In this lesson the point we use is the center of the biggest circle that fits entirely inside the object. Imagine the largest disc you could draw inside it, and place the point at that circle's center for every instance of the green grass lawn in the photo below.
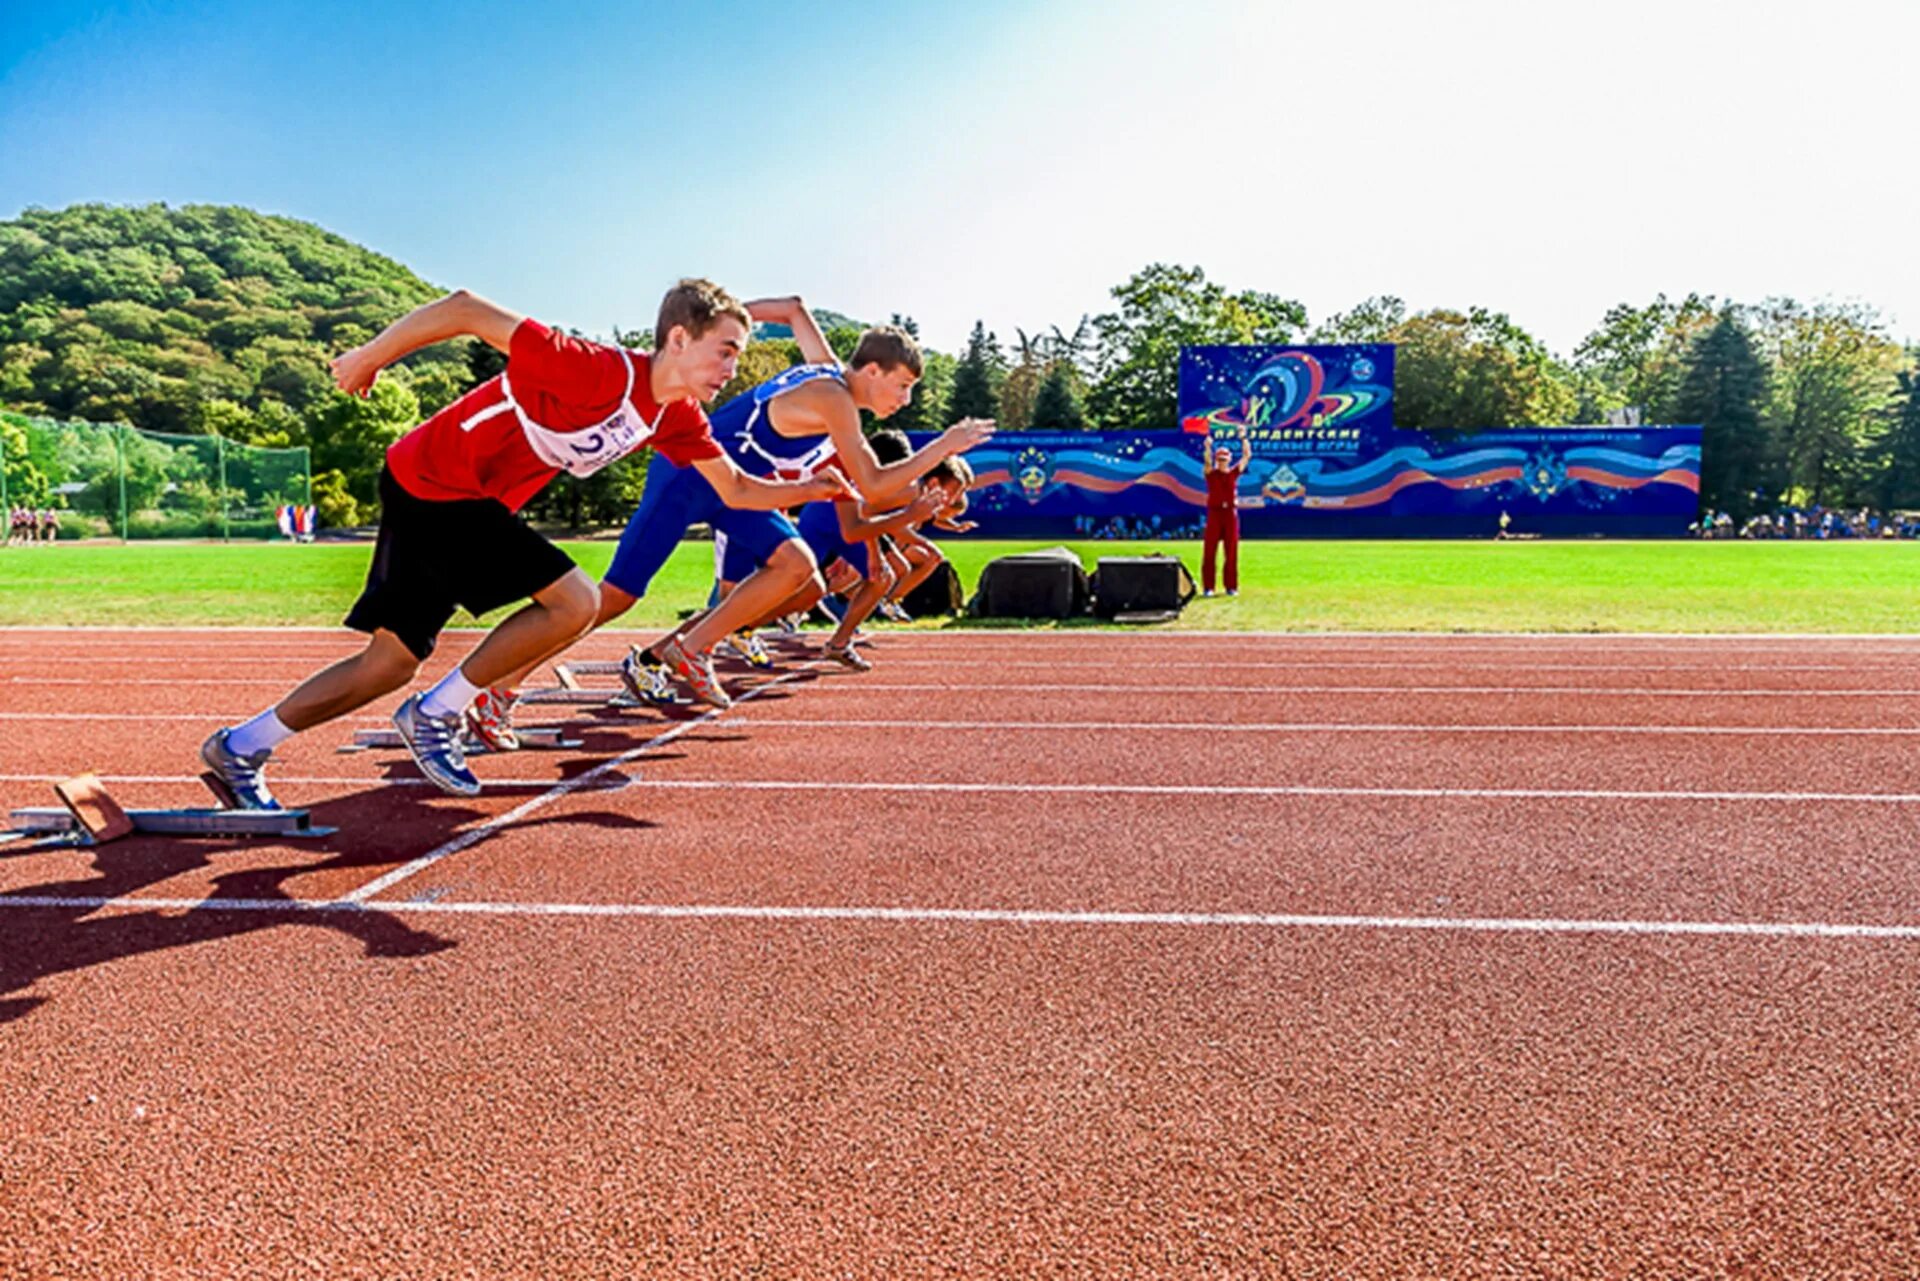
(1285, 586)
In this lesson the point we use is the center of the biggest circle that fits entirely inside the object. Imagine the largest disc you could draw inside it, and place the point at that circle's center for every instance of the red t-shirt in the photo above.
(1221, 486)
(564, 384)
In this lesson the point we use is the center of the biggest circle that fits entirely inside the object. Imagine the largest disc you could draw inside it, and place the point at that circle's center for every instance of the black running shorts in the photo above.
(435, 557)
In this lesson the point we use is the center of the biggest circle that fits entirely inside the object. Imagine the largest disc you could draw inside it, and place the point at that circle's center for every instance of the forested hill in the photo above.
(202, 318)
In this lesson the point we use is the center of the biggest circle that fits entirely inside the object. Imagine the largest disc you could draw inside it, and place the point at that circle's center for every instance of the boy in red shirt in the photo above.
(450, 533)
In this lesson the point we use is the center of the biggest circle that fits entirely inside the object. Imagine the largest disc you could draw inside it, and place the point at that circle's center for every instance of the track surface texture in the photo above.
(1071, 955)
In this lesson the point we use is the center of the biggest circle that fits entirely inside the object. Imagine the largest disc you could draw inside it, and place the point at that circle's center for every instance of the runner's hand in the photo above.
(968, 433)
(927, 505)
(355, 371)
(831, 486)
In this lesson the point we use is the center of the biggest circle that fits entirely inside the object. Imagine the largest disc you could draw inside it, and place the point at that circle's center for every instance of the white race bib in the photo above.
(587, 450)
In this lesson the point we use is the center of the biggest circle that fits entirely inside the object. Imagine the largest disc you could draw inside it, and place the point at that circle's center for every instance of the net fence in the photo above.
(108, 480)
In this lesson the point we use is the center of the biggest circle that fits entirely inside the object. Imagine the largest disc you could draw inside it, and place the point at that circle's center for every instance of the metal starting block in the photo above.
(90, 816)
(539, 738)
(569, 674)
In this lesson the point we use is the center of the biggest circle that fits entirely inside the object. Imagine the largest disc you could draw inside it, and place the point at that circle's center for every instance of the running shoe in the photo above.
(648, 679)
(891, 611)
(745, 646)
(695, 671)
(790, 623)
(435, 744)
(243, 776)
(847, 656)
(490, 719)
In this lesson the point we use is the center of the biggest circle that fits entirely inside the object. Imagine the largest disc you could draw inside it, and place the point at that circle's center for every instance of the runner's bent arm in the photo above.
(750, 493)
(823, 408)
(856, 526)
(459, 314)
(793, 313)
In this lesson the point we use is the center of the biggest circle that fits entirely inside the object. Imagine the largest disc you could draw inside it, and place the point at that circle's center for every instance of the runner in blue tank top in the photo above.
(790, 429)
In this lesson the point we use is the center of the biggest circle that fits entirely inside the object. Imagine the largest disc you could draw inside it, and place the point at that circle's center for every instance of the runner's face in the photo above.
(889, 389)
(709, 361)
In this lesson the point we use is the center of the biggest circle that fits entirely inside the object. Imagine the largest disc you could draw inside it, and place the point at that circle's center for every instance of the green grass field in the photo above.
(1286, 586)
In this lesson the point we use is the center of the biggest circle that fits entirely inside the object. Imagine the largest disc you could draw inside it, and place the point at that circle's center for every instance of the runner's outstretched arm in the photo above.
(751, 493)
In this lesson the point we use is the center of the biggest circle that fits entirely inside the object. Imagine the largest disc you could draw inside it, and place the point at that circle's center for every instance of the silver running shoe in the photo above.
(747, 647)
(646, 680)
(435, 744)
(847, 656)
(244, 776)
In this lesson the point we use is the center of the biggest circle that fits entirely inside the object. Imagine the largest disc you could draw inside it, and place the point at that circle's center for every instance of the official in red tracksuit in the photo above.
(1223, 516)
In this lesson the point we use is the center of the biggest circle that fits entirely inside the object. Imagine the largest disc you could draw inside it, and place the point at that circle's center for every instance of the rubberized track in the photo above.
(1076, 954)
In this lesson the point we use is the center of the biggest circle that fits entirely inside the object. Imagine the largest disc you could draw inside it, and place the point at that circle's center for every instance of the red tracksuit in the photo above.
(1223, 526)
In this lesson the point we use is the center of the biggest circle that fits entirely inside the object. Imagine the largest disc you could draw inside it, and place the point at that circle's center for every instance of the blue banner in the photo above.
(1326, 461)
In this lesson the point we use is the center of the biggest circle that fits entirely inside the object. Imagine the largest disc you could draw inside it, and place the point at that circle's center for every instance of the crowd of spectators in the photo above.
(1134, 528)
(1809, 522)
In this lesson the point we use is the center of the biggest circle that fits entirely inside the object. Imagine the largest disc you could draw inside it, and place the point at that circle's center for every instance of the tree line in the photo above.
(218, 320)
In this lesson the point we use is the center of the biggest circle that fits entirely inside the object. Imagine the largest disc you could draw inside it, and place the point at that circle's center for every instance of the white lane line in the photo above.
(992, 916)
(1431, 691)
(1173, 727)
(1500, 691)
(606, 780)
(369, 782)
(1323, 727)
(553, 793)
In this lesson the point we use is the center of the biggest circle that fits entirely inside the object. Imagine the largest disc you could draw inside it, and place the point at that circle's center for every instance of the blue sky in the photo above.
(1012, 162)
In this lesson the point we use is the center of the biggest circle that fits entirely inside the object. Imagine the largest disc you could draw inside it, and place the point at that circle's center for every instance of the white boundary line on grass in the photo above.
(562, 788)
(993, 916)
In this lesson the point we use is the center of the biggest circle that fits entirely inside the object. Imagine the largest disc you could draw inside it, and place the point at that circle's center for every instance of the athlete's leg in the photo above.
(923, 556)
(788, 571)
(870, 593)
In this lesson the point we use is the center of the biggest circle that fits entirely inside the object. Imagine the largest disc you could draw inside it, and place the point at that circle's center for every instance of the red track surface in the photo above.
(1414, 964)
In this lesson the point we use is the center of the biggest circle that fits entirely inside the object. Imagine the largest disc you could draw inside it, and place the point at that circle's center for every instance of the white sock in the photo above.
(451, 696)
(263, 733)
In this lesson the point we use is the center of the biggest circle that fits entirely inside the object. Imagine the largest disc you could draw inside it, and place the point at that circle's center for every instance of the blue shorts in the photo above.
(676, 498)
(820, 527)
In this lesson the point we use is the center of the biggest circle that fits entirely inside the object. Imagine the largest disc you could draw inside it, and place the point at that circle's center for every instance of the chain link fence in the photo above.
(109, 480)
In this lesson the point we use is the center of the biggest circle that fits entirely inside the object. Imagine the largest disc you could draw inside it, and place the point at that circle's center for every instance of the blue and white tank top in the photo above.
(744, 428)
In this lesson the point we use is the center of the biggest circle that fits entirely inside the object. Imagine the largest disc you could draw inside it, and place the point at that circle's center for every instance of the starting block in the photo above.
(572, 692)
(88, 815)
(569, 674)
(537, 738)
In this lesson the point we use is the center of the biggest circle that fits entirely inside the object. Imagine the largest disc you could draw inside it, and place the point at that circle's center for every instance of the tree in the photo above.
(1898, 450)
(1834, 377)
(975, 378)
(1636, 358)
(25, 484)
(1057, 407)
(351, 434)
(1723, 387)
(1372, 320)
(1475, 369)
(1162, 309)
